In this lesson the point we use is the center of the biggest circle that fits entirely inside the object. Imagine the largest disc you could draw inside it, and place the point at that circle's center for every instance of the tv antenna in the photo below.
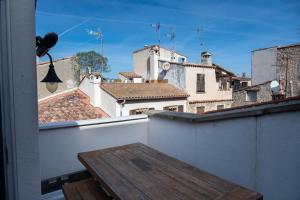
(171, 35)
(99, 35)
(157, 27)
(198, 31)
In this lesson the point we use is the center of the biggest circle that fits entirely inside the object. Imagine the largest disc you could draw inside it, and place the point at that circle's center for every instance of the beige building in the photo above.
(208, 85)
(64, 70)
(125, 98)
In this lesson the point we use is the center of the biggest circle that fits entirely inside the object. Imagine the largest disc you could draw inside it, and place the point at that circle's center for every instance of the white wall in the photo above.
(140, 62)
(59, 147)
(263, 65)
(90, 86)
(166, 55)
(211, 85)
(157, 105)
(260, 152)
(109, 104)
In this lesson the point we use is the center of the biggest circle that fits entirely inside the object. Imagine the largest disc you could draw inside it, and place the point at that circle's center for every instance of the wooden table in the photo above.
(136, 171)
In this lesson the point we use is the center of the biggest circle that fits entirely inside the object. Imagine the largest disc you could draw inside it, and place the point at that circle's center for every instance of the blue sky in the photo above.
(230, 29)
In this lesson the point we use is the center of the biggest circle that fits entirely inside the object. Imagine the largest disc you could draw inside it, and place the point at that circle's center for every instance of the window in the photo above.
(176, 108)
(220, 107)
(223, 84)
(200, 83)
(139, 111)
(244, 84)
(251, 96)
(200, 109)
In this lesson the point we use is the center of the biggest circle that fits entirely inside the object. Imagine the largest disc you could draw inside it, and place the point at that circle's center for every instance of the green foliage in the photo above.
(93, 60)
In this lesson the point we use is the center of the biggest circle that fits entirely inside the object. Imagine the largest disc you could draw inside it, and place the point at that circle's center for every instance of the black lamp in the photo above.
(43, 45)
(51, 79)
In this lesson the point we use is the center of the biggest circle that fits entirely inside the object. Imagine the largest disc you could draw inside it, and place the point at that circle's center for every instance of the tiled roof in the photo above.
(54, 61)
(68, 106)
(142, 91)
(130, 75)
(279, 101)
(241, 78)
(253, 87)
(210, 101)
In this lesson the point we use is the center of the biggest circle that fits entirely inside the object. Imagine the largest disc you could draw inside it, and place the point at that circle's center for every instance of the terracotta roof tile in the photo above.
(68, 106)
(130, 75)
(141, 91)
(209, 101)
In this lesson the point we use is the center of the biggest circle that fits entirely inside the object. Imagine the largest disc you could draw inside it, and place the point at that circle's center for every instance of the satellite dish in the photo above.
(166, 66)
(275, 87)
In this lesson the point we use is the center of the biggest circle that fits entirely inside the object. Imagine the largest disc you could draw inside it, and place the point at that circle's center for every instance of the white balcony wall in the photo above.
(248, 147)
(59, 146)
(258, 152)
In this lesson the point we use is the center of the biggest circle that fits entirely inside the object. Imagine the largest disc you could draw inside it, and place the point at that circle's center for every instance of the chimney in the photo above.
(90, 85)
(206, 58)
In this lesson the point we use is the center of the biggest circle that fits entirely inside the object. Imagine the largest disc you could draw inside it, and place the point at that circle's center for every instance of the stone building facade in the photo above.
(288, 69)
(284, 67)
(252, 94)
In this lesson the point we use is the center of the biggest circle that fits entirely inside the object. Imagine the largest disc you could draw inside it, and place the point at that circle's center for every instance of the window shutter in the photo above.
(220, 107)
(132, 112)
(200, 82)
(180, 108)
(200, 109)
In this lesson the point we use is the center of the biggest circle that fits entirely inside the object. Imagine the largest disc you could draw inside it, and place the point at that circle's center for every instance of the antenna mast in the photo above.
(198, 31)
(157, 29)
(98, 34)
(171, 35)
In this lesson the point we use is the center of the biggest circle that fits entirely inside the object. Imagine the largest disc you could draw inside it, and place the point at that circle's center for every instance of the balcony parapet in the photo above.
(289, 104)
(90, 122)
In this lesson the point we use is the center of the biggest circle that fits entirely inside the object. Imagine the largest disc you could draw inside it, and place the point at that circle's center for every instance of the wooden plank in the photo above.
(109, 178)
(139, 172)
(87, 189)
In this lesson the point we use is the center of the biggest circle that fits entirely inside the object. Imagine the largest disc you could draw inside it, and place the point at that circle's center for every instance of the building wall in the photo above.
(141, 60)
(166, 55)
(68, 142)
(209, 106)
(264, 94)
(141, 63)
(64, 71)
(109, 104)
(157, 105)
(175, 75)
(211, 86)
(292, 64)
(264, 65)
(258, 152)
(90, 86)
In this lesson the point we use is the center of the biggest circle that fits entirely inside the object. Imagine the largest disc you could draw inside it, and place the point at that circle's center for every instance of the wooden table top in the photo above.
(137, 171)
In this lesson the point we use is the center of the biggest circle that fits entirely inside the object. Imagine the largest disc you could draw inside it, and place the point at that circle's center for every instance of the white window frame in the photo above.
(19, 99)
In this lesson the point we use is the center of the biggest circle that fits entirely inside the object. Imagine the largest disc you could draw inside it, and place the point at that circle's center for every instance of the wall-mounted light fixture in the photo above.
(51, 79)
(43, 45)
